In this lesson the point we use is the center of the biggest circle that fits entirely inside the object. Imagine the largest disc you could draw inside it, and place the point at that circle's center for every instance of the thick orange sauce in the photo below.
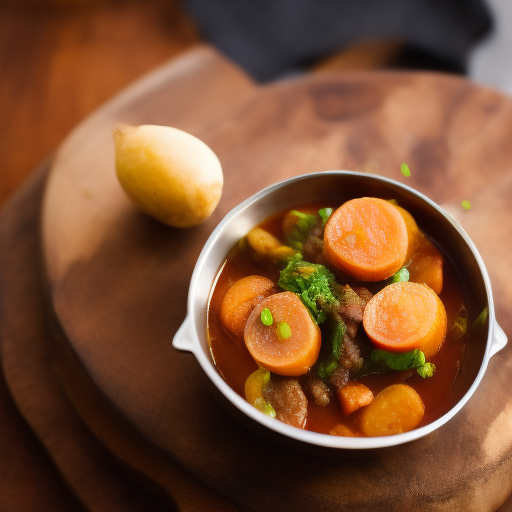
(235, 363)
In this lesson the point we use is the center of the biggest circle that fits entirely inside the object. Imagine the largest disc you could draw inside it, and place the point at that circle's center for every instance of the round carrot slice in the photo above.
(366, 238)
(289, 346)
(405, 316)
(241, 299)
(396, 409)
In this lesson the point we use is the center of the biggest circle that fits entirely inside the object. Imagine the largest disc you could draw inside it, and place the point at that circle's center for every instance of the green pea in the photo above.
(266, 317)
(283, 330)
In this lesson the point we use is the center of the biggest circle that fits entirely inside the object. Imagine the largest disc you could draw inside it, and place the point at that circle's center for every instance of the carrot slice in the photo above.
(241, 299)
(396, 409)
(353, 396)
(289, 346)
(405, 316)
(366, 238)
(424, 261)
(290, 219)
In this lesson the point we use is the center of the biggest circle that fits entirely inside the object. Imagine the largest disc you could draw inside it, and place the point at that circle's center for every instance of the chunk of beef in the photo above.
(364, 294)
(288, 400)
(351, 306)
(320, 392)
(351, 354)
(339, 377)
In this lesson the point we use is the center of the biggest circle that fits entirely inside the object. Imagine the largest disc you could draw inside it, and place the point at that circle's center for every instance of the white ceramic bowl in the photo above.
(338, 186)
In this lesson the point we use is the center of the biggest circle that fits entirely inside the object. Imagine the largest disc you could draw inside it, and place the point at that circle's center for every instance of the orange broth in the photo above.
(235, 364)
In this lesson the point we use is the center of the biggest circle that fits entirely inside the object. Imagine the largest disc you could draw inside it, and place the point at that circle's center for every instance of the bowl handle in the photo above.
(184, 337)
(499, 339)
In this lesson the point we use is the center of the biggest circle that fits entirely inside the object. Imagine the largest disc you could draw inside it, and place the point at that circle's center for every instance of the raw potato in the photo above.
(396, 409)
(169, 174)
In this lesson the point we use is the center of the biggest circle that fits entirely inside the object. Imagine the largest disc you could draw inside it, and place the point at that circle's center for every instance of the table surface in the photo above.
(78, 57)
(60, 60)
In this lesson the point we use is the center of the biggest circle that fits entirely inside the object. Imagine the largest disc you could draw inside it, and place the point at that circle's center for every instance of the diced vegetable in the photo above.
(401, 276)
(337, 339)
(427, 370)
(266, 317)
(460, 325)
(325, 213)
(353, 396)
(426, 267)
(396, 409)
(297, 226)
(312, 282)
(283, 331)
(326, 369)
(266, 244)
(424, 261)
(404, 168)
(292, 355)
(254, 386)
(241, 299)
(366, 238)
(481, 318)
(403, 361)
(405, 316)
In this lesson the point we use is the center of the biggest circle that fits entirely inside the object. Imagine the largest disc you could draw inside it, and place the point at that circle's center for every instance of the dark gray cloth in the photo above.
(272, 37)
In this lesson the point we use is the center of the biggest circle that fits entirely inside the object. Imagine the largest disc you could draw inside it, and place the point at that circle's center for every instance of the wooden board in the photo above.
(118, 280)
(50, 459)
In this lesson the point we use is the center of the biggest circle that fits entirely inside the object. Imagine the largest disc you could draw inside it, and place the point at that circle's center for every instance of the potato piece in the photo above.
(396, 409)
(266, 244)
(169, 174)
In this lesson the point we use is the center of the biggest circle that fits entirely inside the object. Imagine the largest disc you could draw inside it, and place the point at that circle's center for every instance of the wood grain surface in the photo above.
(61, 60)
(118, 280)
(50, 460)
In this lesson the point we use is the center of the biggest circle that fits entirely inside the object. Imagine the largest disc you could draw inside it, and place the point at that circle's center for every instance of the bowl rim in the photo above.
(316, 438)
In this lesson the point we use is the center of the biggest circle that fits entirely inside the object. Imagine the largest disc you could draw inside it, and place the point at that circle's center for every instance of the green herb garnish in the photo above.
(403, 361)
(405, 170)
(337, 339)
(325, 213)
(401, 276)
(303, 227)
(312, 283)
(461, 323)
(481, 318)
(427, 370)
(266, 317)
(466, 205)
(283, 331)
(326, 369)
